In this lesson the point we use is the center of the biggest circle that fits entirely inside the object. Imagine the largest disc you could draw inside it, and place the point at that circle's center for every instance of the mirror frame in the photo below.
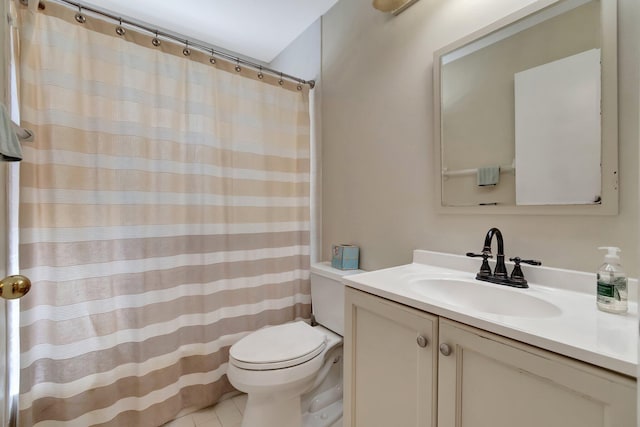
(609, 117)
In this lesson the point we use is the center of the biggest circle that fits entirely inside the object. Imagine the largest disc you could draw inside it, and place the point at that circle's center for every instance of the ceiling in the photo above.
(257, 29)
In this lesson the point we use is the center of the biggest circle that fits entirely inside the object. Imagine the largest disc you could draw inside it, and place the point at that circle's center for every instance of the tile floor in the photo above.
(227, 413)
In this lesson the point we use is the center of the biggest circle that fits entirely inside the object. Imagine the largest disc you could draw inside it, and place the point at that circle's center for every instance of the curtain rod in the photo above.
(184, 41)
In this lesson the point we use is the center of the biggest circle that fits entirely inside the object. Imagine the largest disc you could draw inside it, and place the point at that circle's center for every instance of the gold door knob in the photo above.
(12, 287)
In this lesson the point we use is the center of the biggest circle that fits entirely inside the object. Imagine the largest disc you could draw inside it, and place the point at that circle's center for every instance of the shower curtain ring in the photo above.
(260, 75)
(299, 87)
(119, 30)
(238, 68)
(281, 82)
(155, 41)
(213, 58)
(186, 51)
(80, 17)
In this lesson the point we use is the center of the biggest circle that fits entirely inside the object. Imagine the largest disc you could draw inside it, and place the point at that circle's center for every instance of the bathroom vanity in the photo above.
(427, 345)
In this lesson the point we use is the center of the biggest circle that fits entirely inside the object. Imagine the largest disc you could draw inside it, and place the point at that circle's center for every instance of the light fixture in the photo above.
(394, 6)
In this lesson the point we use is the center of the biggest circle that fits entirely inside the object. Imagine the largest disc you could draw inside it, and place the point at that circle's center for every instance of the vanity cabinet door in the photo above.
(486, 380)
(390, 361)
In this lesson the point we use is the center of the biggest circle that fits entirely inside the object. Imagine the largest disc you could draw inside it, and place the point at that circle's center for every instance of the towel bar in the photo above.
(462, 172)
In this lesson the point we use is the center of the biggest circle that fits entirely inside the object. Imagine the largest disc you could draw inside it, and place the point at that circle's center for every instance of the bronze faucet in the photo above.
(499, 275)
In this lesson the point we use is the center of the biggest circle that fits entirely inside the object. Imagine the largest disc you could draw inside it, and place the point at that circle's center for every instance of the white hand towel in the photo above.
(10, 150)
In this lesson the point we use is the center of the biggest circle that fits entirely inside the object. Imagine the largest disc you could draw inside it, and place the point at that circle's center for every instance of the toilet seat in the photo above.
(278, 347)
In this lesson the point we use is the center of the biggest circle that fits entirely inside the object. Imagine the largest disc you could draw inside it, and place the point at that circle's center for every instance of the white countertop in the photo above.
(579, 331)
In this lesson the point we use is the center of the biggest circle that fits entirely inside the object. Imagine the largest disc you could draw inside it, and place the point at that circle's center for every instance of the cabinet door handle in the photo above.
(445, 349)
(422, 341)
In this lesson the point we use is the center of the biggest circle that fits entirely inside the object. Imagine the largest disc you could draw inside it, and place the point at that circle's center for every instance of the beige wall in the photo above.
(377, 145)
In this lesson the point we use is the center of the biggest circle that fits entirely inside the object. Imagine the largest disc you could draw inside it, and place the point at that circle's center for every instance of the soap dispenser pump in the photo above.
(612, 283)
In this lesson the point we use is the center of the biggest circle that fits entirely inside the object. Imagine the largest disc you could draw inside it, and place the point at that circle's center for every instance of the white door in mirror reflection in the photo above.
(558, 132)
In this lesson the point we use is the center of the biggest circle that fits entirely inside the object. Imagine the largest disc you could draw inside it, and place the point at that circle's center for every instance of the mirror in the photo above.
(526, 113)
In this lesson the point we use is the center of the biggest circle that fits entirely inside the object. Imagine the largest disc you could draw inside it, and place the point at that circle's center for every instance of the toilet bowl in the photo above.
(289, 371)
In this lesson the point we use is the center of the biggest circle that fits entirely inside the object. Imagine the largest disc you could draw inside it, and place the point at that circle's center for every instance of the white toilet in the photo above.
(292, 373)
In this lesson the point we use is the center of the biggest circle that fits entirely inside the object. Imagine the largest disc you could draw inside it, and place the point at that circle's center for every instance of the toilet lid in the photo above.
(278, 347)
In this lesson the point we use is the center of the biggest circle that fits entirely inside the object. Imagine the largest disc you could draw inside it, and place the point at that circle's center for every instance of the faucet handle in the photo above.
(518, 260)
(517, 276)
(483, 255)
(485, 270)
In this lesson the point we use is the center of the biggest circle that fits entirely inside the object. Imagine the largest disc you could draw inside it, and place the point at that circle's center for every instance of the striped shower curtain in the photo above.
(164, 214)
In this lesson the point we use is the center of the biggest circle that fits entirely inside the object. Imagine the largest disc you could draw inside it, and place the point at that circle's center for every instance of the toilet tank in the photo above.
(327, 295)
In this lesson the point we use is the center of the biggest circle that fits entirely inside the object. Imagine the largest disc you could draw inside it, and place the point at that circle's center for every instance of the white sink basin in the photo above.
(481, 297)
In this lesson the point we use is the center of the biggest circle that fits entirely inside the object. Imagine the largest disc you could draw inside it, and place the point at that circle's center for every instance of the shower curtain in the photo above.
(164, 214)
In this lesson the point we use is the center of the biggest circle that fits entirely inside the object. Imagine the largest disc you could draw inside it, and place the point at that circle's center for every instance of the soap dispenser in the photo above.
(612, 283)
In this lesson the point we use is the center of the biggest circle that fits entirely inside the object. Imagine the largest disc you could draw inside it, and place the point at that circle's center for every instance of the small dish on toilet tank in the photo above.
(345, 257)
